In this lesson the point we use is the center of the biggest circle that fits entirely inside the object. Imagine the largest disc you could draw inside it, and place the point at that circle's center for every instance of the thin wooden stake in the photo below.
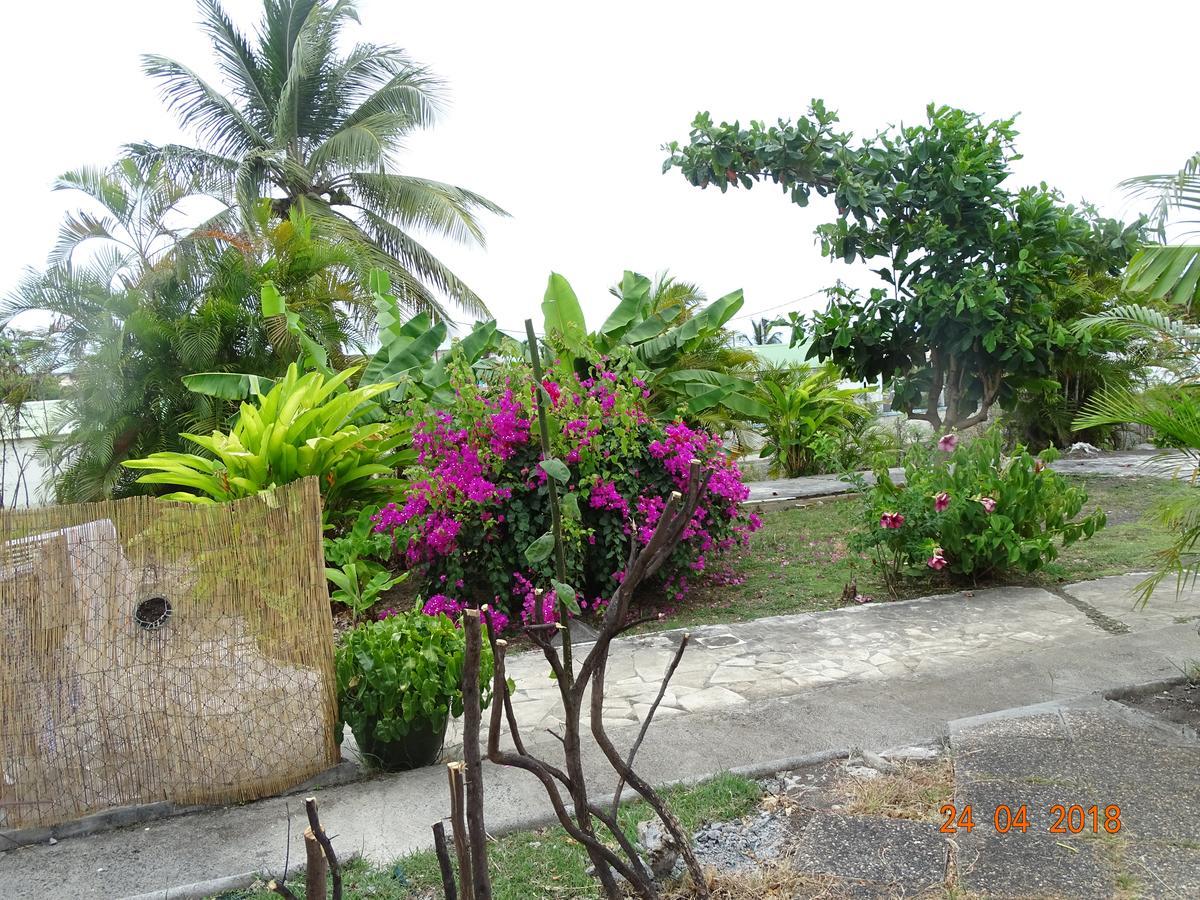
(316, 869)
(472, 717)
(458, 825)
(449, 889)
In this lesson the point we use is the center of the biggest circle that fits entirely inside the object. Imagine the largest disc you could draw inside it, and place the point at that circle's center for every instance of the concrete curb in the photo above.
(200, 889)
(124, 816)
(1134, 691)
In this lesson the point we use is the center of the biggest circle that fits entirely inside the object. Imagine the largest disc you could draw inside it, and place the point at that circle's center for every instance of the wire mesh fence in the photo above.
(156, 651)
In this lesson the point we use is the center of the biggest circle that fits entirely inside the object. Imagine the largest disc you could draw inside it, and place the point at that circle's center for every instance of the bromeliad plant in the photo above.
(970, 511)
(305, 425)
(474, 517)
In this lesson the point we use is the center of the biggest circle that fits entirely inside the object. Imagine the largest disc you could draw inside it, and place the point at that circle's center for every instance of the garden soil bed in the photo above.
(1179, 704)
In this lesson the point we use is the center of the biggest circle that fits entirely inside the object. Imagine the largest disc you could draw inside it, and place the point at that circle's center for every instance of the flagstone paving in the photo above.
(781, 656)
(1134, 463)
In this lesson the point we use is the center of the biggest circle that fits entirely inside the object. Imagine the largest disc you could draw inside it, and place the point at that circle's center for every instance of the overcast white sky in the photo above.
(558, 112)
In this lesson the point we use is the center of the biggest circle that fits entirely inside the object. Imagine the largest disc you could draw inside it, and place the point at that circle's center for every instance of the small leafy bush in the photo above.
(403, 674)
(358, 587)
(968, 510)
(474, 523)
(354, 564)
(808, 418)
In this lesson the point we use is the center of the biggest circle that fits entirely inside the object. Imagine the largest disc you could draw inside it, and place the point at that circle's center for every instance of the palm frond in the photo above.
(411, 94)
(212, 171)
(203, 107)
(415, 258)
(421, 203)
(1166, 272)
(1170, 191)
(238, 62)
(98, 184)
(78, 228)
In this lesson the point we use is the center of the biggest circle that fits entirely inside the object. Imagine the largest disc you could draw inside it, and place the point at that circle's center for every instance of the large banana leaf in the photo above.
(228, 385)
(705, 389)
(563, 314)
(707, 322)
(635, 294)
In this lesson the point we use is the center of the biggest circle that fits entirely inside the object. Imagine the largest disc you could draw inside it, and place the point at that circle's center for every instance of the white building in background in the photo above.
(25, 470)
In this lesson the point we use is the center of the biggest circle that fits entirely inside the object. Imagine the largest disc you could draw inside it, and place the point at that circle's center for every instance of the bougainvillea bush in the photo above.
(472, 522)
(970, 511)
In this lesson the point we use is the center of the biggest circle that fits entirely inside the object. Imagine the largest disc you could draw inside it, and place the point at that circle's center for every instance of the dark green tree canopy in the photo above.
(969, 267)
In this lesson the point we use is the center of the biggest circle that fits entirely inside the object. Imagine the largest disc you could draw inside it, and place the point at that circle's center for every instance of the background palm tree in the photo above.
(131, 218)
(308, 127)
(127, 337)
(761, 333)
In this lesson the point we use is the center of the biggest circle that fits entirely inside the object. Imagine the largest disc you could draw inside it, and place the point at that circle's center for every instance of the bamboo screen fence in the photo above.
(156, 651)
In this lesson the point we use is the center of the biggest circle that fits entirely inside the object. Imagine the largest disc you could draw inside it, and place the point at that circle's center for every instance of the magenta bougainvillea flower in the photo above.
(938, 561)
(941, 502)
(477, 496)
(891, 520)
(948, 442)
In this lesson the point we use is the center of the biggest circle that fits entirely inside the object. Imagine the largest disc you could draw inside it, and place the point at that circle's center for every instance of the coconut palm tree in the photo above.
(306, 126)
(761, 333)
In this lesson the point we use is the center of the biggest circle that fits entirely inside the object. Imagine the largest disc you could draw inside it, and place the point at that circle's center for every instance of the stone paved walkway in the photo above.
(1118, 465)
(727, 665)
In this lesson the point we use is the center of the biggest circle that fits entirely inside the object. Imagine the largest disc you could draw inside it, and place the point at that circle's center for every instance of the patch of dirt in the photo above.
(1179, 704)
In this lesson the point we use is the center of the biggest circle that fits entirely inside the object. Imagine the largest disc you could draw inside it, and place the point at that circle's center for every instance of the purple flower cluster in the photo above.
(606, 496)
(440, 604)
(477, 497)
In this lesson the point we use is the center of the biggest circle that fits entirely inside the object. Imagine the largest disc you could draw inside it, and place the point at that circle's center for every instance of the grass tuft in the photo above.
(916, 792)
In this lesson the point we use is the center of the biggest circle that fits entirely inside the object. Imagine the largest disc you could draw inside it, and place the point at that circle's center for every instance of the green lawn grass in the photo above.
(541, 863)
(800, 560)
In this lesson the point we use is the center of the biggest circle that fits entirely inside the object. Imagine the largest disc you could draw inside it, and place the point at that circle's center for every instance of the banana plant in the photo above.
(679, 345)
(406, 358)
(305, 425)
(407, 354)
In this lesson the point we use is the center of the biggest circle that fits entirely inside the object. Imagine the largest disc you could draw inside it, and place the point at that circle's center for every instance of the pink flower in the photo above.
(443, 605)
(988, 504)
(891, 520)
(948, 442)
(605, 496)
(941, 501)
(937, 561)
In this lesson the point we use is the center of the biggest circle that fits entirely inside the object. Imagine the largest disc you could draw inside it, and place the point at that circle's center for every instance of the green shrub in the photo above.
(304, 425)
(972, 512)
(403, 675)
(807, 417)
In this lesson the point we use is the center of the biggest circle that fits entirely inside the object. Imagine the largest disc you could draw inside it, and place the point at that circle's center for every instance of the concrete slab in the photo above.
(908, 857)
